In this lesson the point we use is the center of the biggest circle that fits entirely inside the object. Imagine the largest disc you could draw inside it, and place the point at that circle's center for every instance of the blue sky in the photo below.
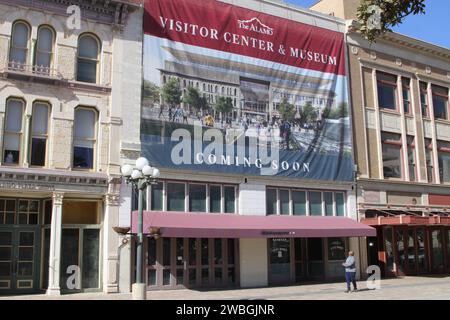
(431, 27)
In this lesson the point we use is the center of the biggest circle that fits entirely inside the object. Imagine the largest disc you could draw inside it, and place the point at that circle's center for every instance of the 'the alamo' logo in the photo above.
(254, 24)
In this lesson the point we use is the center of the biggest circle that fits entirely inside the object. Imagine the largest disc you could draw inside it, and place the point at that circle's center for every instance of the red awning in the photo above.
(207, 225)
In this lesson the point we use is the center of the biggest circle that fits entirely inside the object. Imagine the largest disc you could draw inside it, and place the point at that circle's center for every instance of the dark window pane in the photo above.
(386, 97)
(440, 106)
(151, 280)
(166, 277)
(175, 197)
(9, 218)
(10, 205)
(271, 201)
(87, 71)
(83, 157)
(151, 251)
(5, 253)
(38, 147)
(230, 251)
(166, 252)
(5, 238)
(392, 161)
(231, 276)
(298, 249)
(192, 252)
(69, 253)
(197, 198)
(315, 248)
(180, 276)
(26, 239)
(299, 202)
(46, 257)
(214, 198)
(284, 202)
(229, 193)
(315, 203)
(205, 251)
(336, 249)
(11, 156)
(48, 212)
(23, 218)
(340, 204)
(32, 218)
(192, 276)
(24, 269)
(328, 198)
(5, 269)
(91, 243)
(218, 251)
(218, 276)
(26, 253)
(179, 251)
(157, 196)
(205, 276)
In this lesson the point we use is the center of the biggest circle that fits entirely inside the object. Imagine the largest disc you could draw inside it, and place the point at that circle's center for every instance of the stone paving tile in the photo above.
(435, 288)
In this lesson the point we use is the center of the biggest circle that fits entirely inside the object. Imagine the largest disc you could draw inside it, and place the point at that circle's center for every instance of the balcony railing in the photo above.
(18, 68)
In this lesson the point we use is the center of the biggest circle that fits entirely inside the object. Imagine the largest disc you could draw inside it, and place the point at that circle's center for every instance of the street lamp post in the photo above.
(139, 177)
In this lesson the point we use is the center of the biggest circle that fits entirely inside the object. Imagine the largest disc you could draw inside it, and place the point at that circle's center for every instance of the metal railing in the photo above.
(36, 70)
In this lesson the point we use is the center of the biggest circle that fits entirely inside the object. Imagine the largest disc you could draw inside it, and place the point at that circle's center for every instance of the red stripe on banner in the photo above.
(220, 26)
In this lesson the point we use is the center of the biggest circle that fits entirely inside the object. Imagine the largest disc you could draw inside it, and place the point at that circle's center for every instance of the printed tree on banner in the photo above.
(193, 99)
(287, 110)
(308, 114)
(150, 93)
(375, 17)
(171, 92)
(223, 105)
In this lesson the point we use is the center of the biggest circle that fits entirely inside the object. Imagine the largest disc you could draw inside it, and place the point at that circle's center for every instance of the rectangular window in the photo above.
(429, 159)
(284, 202)
(444, 161)
(315, 203)
(340, 204)
(440, 102)
(392, 159)
(39, 134)
(336, 249)
(230, 195)
(84, 138)
(12, 141)
(215, 198)
(406, 92)
(271, 201)
(387, 91)
(299, 202)
(175, 196)
(157, 196)
(424, 99)
(328, 198)
(197, 198)
(411, 158)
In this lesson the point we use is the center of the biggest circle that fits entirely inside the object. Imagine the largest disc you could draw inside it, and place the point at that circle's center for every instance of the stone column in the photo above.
(55, 245)
(111, 239)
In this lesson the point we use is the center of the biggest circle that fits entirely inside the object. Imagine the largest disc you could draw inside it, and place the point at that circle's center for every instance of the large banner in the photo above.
(231, 90)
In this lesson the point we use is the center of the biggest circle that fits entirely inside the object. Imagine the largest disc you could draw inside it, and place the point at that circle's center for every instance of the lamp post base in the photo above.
(138, 291)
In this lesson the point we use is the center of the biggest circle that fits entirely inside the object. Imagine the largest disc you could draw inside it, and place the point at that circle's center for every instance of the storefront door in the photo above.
(315, 258)
(279, 261)
(437, 250)
(19, 270)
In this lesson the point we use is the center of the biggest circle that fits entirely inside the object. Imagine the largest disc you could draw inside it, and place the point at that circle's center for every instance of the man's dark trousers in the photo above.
(350, 277)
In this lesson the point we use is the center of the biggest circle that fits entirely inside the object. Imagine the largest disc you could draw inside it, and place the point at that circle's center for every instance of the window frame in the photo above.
(423, 92)
(429, 147)
(37, 51)
(412, 146)
(46, 136)
(20, 134)
(440, 95)
(387, 83)
(406, 85)
(95, 139)
(97, 60)
(12, 46)
(399, 144)
(446, 150)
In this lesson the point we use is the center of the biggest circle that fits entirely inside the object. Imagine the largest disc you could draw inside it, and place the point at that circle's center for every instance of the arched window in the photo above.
(84, 138)
(44, 47)
(39, 134)
(19, 43)
(88, 58)
(12, 141)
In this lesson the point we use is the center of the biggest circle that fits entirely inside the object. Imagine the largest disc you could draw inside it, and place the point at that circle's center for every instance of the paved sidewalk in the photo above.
(414, 288)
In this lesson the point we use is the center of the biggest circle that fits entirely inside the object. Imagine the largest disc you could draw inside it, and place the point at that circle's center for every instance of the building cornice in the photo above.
(113, 12)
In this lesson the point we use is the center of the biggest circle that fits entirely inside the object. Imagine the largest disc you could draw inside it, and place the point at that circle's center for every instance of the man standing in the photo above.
(350, 271)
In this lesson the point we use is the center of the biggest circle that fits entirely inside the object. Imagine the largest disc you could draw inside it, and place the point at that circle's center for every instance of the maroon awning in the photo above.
(207, 225)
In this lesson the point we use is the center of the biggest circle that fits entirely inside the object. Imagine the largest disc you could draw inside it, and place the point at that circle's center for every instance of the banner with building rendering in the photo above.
(231, 90)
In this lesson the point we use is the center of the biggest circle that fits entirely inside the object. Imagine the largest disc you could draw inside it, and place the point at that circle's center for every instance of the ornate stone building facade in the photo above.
(69, 116)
